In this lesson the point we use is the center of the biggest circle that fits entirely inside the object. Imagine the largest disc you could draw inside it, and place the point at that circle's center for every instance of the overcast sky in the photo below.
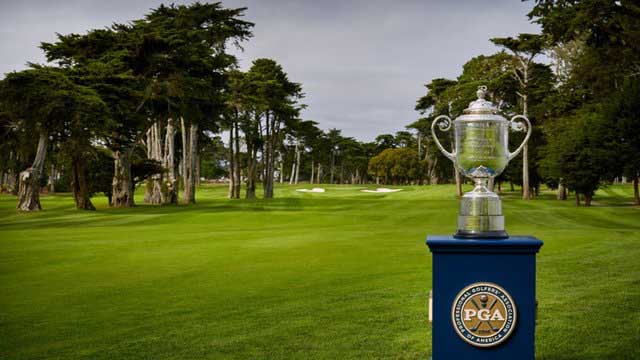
(362, 64)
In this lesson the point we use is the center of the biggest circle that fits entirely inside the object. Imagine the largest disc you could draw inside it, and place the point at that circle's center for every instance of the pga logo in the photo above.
(483, 314)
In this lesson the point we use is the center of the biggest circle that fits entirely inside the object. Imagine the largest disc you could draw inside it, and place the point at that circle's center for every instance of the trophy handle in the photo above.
(445, 125)
(520, 126)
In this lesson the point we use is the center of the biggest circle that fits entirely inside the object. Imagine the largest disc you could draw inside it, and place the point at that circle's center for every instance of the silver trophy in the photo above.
(481, 153)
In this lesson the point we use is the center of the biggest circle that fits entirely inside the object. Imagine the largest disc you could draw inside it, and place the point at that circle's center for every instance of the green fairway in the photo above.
(335, 275)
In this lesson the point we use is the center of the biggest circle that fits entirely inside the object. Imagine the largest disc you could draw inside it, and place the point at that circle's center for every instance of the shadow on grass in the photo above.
(59, 211)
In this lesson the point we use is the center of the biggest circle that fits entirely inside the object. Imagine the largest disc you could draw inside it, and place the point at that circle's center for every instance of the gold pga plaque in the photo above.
(484, 314)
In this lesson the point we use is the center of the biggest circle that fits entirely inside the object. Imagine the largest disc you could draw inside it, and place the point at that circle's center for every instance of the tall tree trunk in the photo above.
(122, 182)
(13, 183)
(526, 189)
(148, 191)
(4, 177)
(186, 161)
(79, 184)
(332, 167)
(169, 193)
(52, 179)
(297, 164)
(12, 176)
(562, 191)
(267, 154)
(232, 170)
(185, 155)
(236, 160)
(431, 165)
(267, 176)
(29, 186)
(234, 178)
(189, 196)
(159, 156)
(153, 192)
(293, 167)
(577, 198)
(252, 153)
(196, 171)
(319, 174)
(313, 164)
(587, 199)
(433, 178)
(636, 194)
(267, 192)
(273, 138)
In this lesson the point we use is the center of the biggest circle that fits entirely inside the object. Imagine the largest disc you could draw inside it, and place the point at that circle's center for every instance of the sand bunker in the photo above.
(314, 190)
(381, 190)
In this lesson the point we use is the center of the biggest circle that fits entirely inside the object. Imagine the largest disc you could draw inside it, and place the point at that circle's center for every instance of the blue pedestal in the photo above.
(509, 263)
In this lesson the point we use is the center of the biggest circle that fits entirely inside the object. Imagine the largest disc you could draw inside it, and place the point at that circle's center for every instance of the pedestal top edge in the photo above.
(512, 243)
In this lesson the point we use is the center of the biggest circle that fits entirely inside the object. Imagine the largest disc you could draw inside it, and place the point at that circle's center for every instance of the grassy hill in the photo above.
(335, 275)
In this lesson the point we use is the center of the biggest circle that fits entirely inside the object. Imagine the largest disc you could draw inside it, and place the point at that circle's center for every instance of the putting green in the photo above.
(335, 275)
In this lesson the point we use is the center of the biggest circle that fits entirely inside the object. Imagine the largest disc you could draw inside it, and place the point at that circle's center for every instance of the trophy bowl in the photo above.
(481, 152)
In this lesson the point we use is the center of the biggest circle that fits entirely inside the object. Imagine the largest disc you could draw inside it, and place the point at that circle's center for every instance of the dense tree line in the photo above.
(161, 101)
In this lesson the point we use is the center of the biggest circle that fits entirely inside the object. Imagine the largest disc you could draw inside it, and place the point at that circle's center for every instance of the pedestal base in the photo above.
(509, 264)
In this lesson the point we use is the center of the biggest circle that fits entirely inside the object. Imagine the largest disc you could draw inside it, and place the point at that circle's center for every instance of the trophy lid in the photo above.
(481, 106)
